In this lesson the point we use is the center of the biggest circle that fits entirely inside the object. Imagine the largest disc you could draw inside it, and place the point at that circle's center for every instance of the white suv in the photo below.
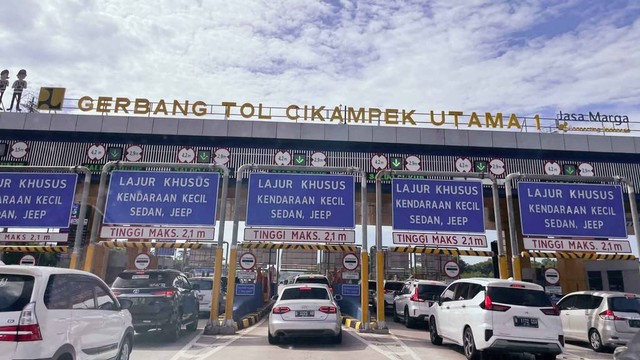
(61, 314)
(496, 315)
(413, 302)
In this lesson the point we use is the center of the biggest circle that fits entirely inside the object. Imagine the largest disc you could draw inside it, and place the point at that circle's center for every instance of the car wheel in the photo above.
(433, 332)
(193, 326)
(172, 330)
(395, 314)
(595, 340)
(408, 321)
(469, 346)
(125, 349)
(273, 340)
(338, 338)
(546, 357)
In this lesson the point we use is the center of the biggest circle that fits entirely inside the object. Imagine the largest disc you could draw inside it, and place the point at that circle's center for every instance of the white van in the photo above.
(494, 315)
(61, 314)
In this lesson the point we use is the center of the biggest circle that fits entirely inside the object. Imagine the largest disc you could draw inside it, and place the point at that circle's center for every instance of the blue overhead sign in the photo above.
(162, 198)
(315, 201)
(36, 200)
(450, 206)
(581, 210)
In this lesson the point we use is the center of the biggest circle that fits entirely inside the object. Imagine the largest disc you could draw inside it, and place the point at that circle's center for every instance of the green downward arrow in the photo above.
(114, 153)
(299, 159)
(481, 166)
(204, 156)
(396, 163)
(570, 170)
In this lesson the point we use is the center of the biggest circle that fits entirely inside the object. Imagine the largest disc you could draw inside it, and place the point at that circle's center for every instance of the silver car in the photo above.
(305, 310)
(603, 318)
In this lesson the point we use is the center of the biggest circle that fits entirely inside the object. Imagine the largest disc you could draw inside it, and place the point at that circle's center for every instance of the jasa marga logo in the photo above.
(597, 117)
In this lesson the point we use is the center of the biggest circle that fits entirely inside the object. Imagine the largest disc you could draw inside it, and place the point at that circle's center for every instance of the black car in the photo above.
(162, 299)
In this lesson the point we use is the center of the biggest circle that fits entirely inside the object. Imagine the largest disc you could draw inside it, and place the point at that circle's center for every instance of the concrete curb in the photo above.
(252, 319)
(354, 323)
(245, 322)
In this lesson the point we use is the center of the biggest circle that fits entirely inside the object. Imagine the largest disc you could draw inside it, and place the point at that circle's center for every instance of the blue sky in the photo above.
(523, 56)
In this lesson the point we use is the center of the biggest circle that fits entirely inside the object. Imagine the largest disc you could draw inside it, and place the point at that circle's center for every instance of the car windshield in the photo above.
(519, 296)
(144, 280)
(15, 292)
(312, 280)
(394, 286)
(625, 304)
(429, 292)
(305, 293)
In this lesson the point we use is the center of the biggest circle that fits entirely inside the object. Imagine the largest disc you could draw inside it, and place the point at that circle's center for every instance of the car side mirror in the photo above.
(338, 297)
(195, 287)
(125, 304)
(274, 297)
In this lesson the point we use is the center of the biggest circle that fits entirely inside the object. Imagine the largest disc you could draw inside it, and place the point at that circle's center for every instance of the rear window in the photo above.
(625, 304)
(309, 293)
(146, 280)
(15, 292)
(204, 284)
(395, 286)
(312, 280)
(429, 292)
(518, 296)
(372, 285)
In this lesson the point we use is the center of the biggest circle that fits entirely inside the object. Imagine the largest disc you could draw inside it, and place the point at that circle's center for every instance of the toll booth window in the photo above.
(595, 280)
(305, 294)
(616, 282)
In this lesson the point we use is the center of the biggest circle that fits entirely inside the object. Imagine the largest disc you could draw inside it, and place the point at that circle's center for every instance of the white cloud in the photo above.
(473, 55)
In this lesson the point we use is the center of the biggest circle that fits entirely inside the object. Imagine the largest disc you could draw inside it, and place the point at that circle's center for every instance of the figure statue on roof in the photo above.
(4, 83)
(18, 86)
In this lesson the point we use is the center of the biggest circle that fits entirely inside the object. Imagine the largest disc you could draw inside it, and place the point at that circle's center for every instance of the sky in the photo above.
(514, 56)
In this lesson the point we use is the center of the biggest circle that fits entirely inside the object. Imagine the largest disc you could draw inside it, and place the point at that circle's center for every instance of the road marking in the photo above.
(376, 342)
(187, 352)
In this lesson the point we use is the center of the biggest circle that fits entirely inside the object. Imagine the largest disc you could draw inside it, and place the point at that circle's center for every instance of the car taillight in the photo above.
(487, 304)
(551, 311)
(27, 329)
(609, 315)
(165, 293)
(328, 309)
(415, 297)
(280, 310)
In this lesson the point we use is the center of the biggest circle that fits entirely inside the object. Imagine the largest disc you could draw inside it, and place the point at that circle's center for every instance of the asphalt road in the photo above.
(251, 343)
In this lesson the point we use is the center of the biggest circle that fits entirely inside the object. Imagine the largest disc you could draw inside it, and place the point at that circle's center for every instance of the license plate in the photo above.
(525, 322)
(304, 313)
(634, 323)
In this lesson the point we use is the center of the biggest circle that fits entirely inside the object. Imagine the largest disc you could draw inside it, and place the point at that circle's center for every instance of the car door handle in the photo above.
(447, 307)
(464, 306)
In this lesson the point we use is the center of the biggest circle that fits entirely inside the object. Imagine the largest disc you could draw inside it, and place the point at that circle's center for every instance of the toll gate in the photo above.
(199, 145)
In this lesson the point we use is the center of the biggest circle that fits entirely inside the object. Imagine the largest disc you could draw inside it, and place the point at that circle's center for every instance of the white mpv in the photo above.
(494, 315)
(61, 314)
